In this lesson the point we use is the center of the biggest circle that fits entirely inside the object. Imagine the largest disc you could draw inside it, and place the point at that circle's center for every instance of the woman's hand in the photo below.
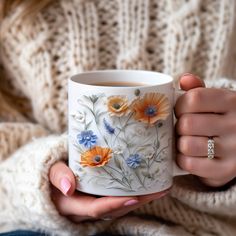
(79, 206)
(203, 113)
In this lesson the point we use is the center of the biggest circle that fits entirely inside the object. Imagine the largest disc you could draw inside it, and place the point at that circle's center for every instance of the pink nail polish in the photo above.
(131, 202)
(65, 185)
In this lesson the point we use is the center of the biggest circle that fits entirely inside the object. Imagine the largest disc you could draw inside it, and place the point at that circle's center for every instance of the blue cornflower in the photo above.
(87, 138)
(133, 161)
(108, 127)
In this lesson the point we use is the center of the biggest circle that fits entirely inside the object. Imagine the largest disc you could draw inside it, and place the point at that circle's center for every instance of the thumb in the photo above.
(189, 81)
(62, 178)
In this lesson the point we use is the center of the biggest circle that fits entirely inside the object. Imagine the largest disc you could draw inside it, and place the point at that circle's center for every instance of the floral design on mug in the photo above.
(96, 157)
(117, 105)
(151, 108)
(134, 161)
(87, 138)
(115, 140)
(108, 127)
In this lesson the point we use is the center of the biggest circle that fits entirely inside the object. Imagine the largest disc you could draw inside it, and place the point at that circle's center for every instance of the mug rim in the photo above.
(155, 79)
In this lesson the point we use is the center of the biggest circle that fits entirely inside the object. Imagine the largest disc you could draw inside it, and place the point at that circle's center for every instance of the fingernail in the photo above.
(131, 202)
(187, 74)
(65, 185)
(190, 74)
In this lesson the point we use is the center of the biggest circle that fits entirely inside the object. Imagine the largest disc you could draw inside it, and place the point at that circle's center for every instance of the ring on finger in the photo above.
(210, 148)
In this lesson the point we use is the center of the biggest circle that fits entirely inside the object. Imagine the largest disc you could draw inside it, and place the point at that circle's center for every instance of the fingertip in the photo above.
(186, 163)
(189, 81)
(117, 202)
(62, 177)
(68, 184)
(72, 188)
(65, 185)
(131, 202)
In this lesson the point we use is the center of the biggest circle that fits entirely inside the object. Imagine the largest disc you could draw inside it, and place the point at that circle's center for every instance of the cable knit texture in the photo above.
(71, 36)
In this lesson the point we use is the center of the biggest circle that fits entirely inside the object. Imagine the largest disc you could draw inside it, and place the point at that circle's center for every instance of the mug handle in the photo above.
(176, 169)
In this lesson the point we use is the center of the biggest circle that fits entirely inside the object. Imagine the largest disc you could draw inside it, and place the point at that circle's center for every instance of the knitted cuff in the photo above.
(24, 179)
(218, 201)
(13, 135)
(221, 83)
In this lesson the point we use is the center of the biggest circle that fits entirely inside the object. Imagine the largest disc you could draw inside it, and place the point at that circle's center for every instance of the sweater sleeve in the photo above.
(27, 151)
(221, 83)
(25, 189)
(25, 201)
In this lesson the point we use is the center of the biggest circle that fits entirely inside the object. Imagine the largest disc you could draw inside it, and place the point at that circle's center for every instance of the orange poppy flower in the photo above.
(96, 157)
(151, 108)
(117, 105)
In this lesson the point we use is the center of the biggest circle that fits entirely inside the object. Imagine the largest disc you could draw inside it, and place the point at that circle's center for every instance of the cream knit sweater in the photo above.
(71, 36)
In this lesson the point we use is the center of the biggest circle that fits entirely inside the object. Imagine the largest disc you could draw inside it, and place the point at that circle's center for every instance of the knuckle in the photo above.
(93, 213)
(194, 97)
(185, 124)
(231, 167)
(184, 145)
(186, 163)
(229, 173)
(231, 124)
(231, 99)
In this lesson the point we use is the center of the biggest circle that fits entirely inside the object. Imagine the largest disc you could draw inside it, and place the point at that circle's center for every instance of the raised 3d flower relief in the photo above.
(96, 157)
(87, 138)
(117, 105)
(151, 108)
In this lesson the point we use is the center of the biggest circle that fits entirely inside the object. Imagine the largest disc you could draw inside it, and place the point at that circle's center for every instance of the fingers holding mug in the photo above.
(62, 177)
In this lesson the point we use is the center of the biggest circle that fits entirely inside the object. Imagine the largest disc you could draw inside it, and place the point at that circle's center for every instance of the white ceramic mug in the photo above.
(121, 132)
